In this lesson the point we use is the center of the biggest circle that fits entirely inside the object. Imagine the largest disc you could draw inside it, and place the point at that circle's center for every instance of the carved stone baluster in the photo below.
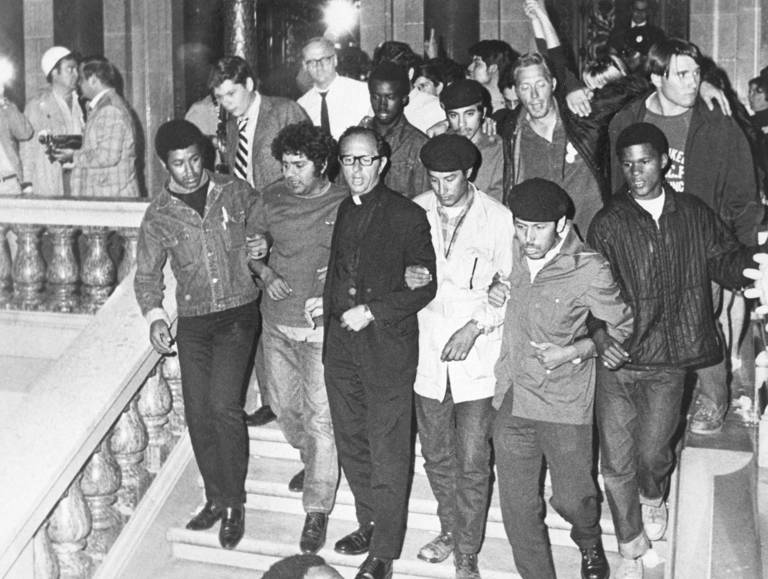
(98, 271)
(6, 267)
(63, 270)
(28, 268)
(172, 374)
(46, 566)
(130, 242)
(128, 442)
(155, 405)
(101, 481)
(68, 528)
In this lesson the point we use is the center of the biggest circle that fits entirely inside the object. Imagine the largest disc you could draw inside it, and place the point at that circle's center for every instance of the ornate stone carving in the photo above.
(28, 268)
(99, 273)
(6, 267)
(128, 442)
(69, 526)
(130, 243)
(155, 405)
(63, 270)
(46, 566)
(172, 374)
(101, 481)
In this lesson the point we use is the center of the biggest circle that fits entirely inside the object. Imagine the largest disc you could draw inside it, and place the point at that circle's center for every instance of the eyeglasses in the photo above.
(364, 160)
(318, 61)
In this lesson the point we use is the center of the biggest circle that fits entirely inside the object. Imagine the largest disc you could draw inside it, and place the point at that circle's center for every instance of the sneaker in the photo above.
(706, 419)
(438, 549)
(466, 565)
(630, 569)
(655, 521)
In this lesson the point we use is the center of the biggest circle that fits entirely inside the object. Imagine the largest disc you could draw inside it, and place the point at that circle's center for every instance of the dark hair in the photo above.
(531, 59)
(102, 69)
(761, 84)
(450, 69)
(231, 68)
(431, 71)
(174, 135)
(660, 55)
(57, 66)
(642, 134)
(493, 52)
(397, 52)
(392, 73)
(293, 567)
(507, 77)
(306, 139)
(382, 147)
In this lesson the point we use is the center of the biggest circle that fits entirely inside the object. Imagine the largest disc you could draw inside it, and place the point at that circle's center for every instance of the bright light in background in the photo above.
(7, 71)
(340, 17)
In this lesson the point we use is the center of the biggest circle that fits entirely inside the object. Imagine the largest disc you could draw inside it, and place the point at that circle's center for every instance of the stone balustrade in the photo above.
(65, 255)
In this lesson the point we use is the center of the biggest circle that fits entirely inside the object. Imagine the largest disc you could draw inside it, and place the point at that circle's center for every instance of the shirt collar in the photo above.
(95, 100)
(253, 109)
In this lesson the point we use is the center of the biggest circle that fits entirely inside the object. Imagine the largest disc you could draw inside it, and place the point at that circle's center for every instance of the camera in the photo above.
(54, 142)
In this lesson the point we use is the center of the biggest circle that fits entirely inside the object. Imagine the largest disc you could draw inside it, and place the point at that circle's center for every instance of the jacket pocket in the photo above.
(234, 237)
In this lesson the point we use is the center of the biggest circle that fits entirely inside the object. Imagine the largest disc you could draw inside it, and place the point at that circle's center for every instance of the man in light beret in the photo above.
(467, 103)
(545, 378)
(459, 341)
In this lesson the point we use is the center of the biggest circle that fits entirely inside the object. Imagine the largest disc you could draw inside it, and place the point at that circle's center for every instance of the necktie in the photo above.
(325, 123)
(241, 158)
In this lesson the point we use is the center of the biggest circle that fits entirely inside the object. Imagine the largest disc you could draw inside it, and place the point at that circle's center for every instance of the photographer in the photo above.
(14, 127)
(56, 117)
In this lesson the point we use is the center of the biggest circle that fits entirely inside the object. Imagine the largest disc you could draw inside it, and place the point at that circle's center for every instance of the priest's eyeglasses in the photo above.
(364, 160)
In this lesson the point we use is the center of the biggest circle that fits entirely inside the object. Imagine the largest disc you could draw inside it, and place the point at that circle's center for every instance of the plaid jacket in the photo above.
(105, 166)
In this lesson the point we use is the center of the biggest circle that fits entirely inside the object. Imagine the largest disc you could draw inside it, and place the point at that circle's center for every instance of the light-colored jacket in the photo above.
(14, 127)
(46, 115)
(483, 247)
(106, 164)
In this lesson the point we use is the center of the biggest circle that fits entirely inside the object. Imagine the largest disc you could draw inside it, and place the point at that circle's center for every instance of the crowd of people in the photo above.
(508, 258)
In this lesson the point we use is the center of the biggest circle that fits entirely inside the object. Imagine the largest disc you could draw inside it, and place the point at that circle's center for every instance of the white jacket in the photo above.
(486, 235)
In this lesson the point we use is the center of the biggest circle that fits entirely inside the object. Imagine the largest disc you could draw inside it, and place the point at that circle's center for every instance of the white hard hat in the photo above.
(51, 57)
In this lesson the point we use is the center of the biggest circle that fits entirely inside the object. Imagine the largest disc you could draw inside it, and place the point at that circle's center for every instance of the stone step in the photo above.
(269, 538)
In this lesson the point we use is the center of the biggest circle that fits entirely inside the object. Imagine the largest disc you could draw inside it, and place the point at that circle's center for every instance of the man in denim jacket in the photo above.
(199, 220)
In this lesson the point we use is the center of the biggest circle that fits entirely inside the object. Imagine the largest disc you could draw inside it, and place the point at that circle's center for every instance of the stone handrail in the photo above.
(78, 272)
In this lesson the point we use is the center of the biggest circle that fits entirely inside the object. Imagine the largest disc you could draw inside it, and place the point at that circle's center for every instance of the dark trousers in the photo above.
(372, 421)
(521, 445)
(638, 412)
(214, 354)
(456, 445)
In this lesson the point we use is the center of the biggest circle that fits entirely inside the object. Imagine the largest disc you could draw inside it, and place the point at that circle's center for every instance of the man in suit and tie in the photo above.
(254, 122)
(105, 165)
(371, 345)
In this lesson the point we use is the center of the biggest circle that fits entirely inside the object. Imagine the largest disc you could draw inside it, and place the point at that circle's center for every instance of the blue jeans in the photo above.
(521, 445)
(456, 445)
(215, 351)
(298, 397)
(638, 412)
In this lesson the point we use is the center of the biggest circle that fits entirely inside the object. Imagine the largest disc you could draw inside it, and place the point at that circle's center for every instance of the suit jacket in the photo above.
(105, 166)
(14, 127)
(398, 236)
(274, 114)
(45, 114)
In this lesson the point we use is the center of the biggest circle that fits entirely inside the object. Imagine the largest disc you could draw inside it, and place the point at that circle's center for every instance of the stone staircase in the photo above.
(275, 516)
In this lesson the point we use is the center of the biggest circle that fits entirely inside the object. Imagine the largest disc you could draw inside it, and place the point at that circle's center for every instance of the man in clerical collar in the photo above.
(371, 346)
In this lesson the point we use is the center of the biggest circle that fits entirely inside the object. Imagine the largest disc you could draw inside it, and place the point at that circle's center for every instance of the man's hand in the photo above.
(313, 308)
(63, 155)
(417, 276)
(498, 292)
(438, 128)
(430, 45)
(760, 275)
(711, 95)
(458, 346)
(322, 273)
(489, 127)
(160, 337)
(611, 353)
(356, 319)
(277, 288)
(579, 102)
(551, 355)
(257, 247)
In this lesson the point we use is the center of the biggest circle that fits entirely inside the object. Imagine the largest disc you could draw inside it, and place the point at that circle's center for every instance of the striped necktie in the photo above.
(241, 159)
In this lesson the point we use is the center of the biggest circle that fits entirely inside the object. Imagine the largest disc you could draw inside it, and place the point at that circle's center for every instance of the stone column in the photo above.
(240, 30)
(46, 566)
(127, 443)
(130, 242)
(69, 526)
(456, 24)
(100, 483)
(28, 268)
(99, 270)
(6, 267)
(172, 373)
(155, 405)
(63, 271)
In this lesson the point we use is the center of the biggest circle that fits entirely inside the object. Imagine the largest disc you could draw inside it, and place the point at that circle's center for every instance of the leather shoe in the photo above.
(375, 568)
(313, 534)
(206, 518)
(262, 416)
(297, 482)
(594, 565)
(232, 527)
(357, 542)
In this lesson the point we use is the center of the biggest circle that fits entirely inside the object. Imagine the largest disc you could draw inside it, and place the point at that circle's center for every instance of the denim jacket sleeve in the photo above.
(151, 257)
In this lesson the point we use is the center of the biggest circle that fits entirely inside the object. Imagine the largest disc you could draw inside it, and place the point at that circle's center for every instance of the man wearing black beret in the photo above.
(459, 342)
(545, 379)
(467, 103)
